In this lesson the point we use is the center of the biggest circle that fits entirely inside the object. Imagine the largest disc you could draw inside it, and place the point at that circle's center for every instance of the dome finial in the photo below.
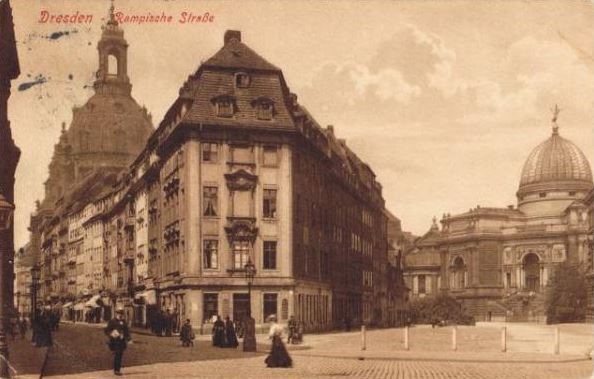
(112, 20)
(555, 112)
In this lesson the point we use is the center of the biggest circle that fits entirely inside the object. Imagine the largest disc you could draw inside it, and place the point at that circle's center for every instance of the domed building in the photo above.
(110, 130)
(105, 136)
(497, 261)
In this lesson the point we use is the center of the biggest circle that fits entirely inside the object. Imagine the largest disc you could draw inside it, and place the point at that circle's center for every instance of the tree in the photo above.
(567, 294)
(433, 310)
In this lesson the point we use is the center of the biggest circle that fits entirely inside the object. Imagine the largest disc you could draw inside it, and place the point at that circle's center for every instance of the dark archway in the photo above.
(532, 272)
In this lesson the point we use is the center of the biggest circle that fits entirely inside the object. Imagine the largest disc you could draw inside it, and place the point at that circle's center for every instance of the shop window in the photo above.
(210, 308)
(211, 254)
(270, 304)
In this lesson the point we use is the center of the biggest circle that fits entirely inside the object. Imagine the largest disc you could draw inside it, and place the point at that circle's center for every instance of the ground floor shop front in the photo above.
(308, 305)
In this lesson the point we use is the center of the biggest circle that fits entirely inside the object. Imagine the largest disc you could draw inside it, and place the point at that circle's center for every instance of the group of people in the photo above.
(295, 331)
(163, 323)
(224, 334)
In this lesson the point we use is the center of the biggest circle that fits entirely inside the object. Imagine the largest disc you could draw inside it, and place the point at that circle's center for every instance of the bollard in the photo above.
(557, 341)
(454, 338)
(363, 341)
(503, 339)
(406, 338)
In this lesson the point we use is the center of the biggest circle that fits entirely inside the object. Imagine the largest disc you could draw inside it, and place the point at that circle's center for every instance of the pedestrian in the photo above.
(159, 323)
(43, 333)
(168, 323)
(119, 335)
(300, 331)
(292, 324)
(218, 333)
(278, 357)
(23, 327)
(230, 336)
(186, 334)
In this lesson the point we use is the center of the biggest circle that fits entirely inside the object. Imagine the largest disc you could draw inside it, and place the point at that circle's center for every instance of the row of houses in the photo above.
(237, 173)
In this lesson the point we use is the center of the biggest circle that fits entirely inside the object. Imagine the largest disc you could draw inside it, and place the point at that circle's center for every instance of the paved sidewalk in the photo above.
(26, 360)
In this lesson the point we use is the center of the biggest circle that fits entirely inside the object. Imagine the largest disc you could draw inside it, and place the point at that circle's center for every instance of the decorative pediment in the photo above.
(241, 229)
(241, 180)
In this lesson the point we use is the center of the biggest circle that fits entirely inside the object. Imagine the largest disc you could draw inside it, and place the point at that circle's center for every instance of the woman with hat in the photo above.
(119, 335)
(278, 357)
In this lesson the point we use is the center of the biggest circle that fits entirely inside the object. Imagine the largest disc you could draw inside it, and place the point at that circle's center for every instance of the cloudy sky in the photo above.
(444, 99)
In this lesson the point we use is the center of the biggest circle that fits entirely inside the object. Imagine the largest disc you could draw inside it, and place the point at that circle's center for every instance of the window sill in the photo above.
(269, 219)
(211, 217)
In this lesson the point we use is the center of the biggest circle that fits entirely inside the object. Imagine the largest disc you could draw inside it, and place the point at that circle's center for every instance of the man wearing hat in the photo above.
(119, 335)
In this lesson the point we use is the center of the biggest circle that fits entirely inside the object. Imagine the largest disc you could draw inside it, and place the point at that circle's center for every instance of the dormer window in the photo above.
(224, 105)
(264, 108)
(242, 80)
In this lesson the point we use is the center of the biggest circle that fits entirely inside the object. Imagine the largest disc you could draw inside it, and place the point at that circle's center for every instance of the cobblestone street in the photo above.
(80, 352)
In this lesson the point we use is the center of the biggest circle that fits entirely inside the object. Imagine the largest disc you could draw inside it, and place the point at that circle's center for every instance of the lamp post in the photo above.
(6, 212)
(249, 339)
(35, 275)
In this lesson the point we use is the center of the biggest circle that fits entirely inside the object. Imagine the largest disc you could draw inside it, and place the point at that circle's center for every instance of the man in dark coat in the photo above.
(119, 335)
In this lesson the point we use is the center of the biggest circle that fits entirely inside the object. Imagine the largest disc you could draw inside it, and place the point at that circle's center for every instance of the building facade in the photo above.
(237, 171)
(105, 136)
(497, 261)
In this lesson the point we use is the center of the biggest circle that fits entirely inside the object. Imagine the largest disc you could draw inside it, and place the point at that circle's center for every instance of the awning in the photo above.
(67, 305)
(92, 303)
(150, 297)
(79, 306)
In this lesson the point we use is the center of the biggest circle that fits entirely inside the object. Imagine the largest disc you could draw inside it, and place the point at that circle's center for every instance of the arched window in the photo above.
(458, 273)
(112, 65)
(531, 272)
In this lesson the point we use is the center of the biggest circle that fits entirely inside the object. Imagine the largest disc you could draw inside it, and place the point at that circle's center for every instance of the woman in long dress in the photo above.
(230, 336)
(218, 333)
(278, 357)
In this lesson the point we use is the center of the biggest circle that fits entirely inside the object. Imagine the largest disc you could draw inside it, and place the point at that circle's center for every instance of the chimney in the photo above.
(510, 207)
(232, 34)
(331, 129)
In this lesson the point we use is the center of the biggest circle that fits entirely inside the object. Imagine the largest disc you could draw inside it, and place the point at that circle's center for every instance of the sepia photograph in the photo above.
(296, 189)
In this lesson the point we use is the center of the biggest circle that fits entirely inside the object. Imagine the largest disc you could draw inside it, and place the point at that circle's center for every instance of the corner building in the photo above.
(237, 170)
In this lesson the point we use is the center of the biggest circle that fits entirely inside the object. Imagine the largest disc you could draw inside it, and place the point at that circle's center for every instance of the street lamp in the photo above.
(249, 339)
(6, 211)
(35, 276)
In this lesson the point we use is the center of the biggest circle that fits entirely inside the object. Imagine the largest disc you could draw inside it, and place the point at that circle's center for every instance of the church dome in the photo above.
(555, 175)
(556, 159)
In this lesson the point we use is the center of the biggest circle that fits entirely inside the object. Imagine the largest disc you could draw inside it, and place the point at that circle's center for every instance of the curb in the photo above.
(362, 357)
